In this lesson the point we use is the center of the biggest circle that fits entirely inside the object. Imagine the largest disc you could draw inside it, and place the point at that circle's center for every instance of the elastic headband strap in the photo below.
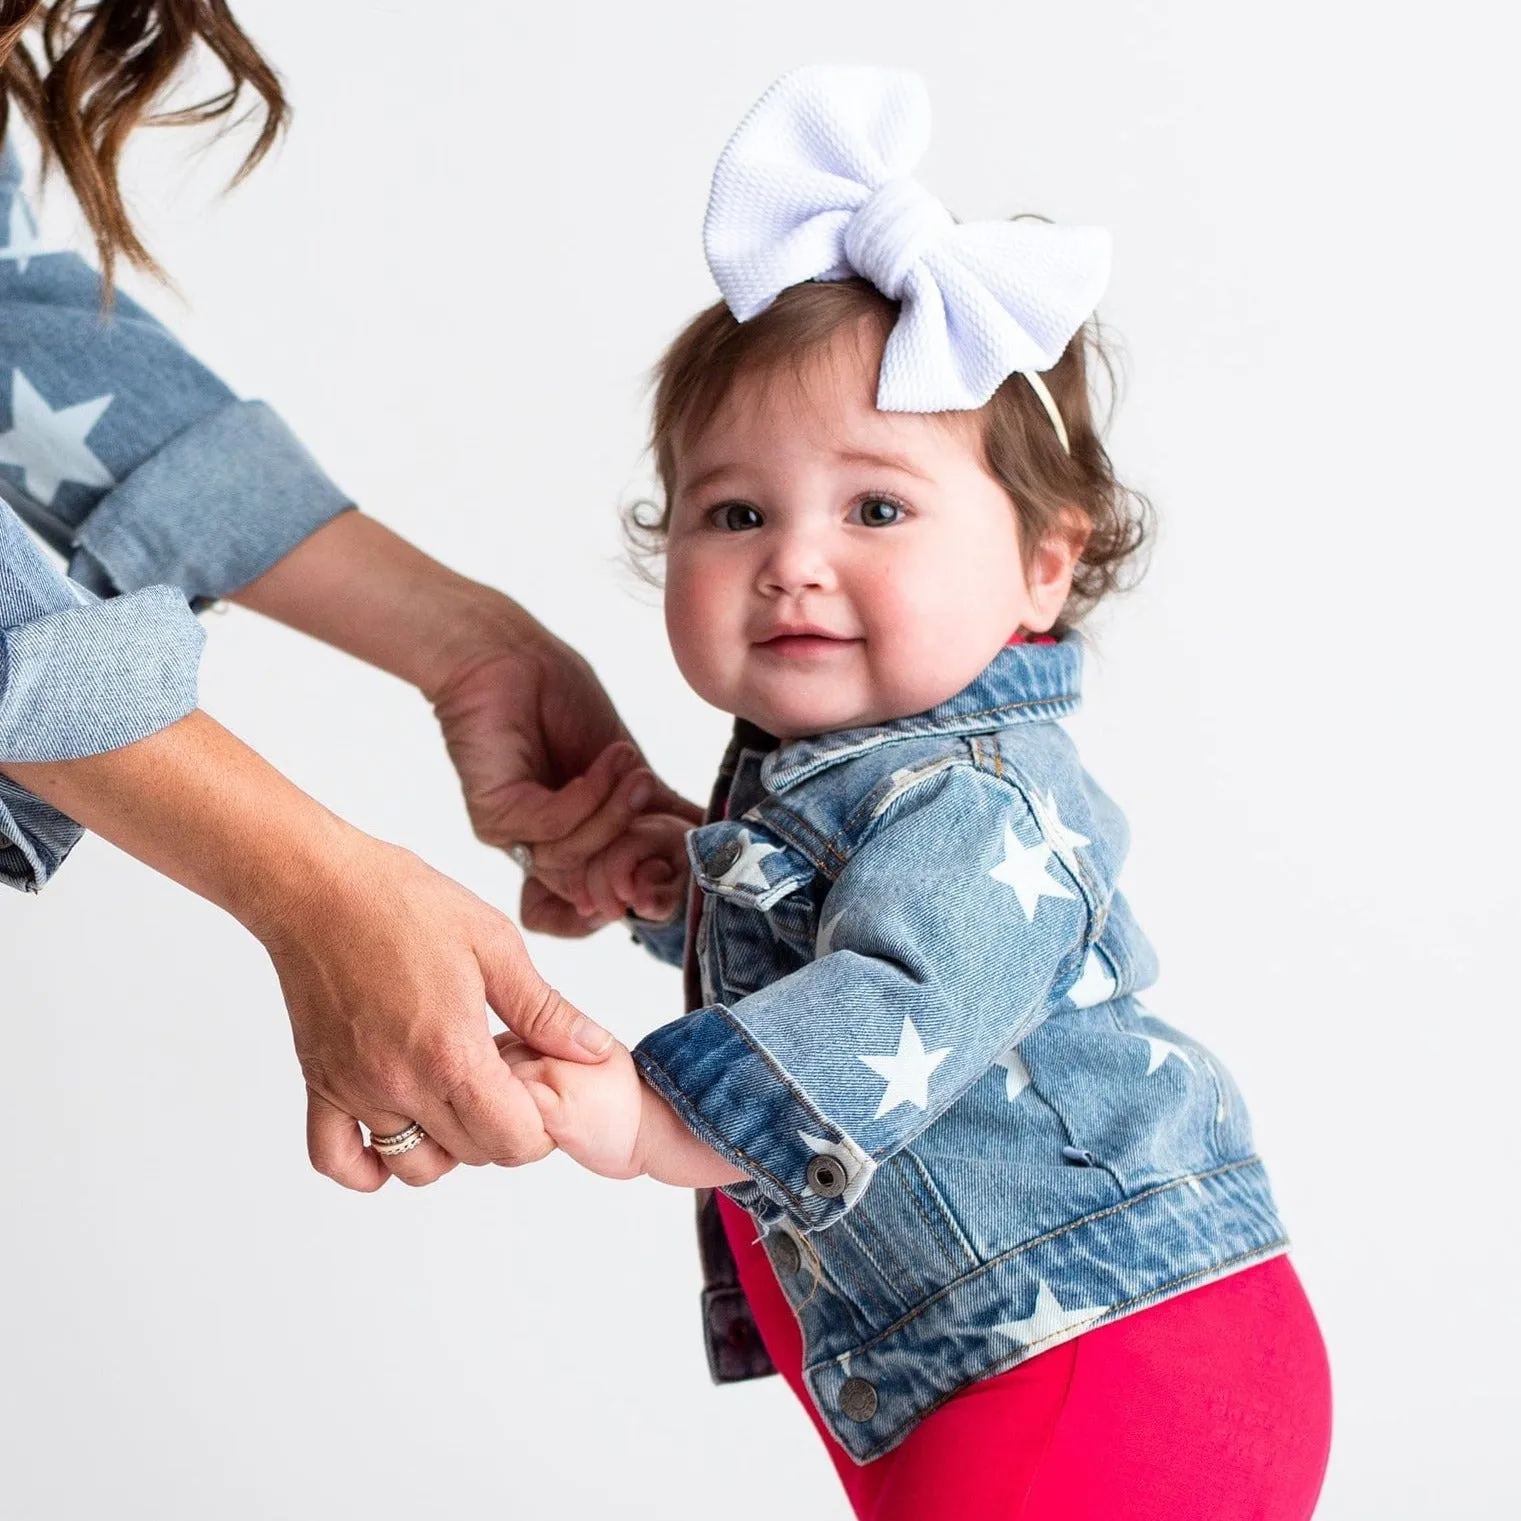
(1048, 401)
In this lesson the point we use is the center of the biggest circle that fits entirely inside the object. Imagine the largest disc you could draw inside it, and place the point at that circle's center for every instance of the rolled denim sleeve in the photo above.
(122, 450)
(943, 937)
(77, 676)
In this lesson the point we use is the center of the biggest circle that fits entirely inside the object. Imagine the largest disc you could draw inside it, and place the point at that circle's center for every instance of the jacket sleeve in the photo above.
(124, 452)
(77, 676)
(941, 942)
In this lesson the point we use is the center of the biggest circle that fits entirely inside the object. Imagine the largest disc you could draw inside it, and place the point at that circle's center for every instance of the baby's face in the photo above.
(830, 565)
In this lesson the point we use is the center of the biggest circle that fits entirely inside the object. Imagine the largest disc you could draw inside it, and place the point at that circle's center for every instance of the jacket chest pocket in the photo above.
(758, 915)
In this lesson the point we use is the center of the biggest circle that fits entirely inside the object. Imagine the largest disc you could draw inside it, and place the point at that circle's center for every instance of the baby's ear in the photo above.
(1048, 579)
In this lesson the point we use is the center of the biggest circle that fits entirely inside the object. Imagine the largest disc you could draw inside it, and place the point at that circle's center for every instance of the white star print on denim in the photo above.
(1095, 984)
(1064, 840)
(49, 445)
(1048, 1319)
(1160, 1050)
(1024, 869)
(907, 1071)
(23, 245)
(1016, 1074)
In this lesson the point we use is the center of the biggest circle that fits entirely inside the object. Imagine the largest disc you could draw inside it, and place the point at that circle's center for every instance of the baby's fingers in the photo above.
(562, 864)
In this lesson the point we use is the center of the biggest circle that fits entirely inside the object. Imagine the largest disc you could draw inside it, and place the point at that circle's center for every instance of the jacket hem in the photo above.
(1100, 1268)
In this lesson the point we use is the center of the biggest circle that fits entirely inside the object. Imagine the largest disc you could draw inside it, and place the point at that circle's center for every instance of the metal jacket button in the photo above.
(858, 1400)
(785, 1257)
(826, 1177)
(724, 857)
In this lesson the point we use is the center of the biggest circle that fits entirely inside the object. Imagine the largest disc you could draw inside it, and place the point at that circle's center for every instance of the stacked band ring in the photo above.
(396, 1145)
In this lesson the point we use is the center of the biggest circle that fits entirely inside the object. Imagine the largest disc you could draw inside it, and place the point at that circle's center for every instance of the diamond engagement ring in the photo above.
(523, 855)
(396, 1145)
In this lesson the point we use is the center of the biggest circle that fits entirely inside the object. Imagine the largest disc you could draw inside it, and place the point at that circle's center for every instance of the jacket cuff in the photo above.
(97, 676)
(212, 509)
(35, 838)
(731, 1094)
(665, 942)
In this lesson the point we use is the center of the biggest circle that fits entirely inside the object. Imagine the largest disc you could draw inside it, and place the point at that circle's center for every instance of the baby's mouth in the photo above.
(803, 642)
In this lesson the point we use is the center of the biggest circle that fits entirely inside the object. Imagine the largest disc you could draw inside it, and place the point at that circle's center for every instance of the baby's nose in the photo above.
(796, 562)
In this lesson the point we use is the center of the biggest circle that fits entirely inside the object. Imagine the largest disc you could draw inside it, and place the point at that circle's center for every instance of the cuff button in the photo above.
(858, 1400)
(826, 1177)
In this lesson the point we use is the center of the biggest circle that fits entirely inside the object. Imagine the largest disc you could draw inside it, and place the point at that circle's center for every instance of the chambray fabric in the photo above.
(967, 1139)
(160, 488)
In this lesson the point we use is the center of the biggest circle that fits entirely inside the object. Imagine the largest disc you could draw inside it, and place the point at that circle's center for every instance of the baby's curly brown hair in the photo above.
(1019, 444)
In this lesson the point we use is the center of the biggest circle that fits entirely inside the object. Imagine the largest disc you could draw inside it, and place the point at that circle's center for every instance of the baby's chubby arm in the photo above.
(608, 1120)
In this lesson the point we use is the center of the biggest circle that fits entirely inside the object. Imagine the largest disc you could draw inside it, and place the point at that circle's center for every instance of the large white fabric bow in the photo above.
(814, 185)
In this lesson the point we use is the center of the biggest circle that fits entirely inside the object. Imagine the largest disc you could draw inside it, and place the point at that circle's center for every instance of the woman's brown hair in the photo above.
(85, 73)
(1019, 444)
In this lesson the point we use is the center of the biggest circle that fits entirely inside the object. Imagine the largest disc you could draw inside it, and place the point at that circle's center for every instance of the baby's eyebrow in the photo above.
(707, 477)
(897, 462)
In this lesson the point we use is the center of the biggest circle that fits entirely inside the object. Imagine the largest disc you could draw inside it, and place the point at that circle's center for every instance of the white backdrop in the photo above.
(451, 281)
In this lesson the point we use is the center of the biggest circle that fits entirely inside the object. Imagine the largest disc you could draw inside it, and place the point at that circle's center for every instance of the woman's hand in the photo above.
(387, 967)
(545, 762)
(542, 756)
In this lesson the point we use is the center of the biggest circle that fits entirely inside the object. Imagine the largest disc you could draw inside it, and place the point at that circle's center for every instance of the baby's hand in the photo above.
(643, 872)
(592, 1113)
(610, 862)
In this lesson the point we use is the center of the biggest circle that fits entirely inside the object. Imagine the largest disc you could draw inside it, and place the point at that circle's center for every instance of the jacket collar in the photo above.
(1026, 683)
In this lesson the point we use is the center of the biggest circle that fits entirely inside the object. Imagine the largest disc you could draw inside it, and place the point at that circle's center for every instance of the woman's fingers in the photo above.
(537, 813)
(338, 1150)
(336, 1146)
(547, 913)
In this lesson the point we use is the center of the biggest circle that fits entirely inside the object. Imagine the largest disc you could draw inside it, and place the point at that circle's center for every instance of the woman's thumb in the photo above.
(533, 1010)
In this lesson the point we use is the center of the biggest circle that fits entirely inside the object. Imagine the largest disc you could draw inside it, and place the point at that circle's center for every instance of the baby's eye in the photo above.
(877, 512)
(735, 516)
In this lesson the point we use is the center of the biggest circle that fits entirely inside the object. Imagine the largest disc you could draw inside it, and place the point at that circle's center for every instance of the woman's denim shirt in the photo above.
(966, 1138)
(159, 488)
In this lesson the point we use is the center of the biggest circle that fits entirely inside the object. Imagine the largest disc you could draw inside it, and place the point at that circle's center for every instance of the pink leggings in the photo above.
(1214, 1406)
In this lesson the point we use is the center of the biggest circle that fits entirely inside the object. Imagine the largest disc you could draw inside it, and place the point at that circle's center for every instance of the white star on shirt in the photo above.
(1018, 1075)
(1160, 1051)
(24, 242)
(907, 1071)
(1056, 831)
(1048, 1318)
(746, 872)
(1094, 985)
(1024, 869)
(50, 446)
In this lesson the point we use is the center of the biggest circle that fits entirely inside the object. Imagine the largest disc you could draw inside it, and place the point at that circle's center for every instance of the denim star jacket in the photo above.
(158, 488)
(917, 1032)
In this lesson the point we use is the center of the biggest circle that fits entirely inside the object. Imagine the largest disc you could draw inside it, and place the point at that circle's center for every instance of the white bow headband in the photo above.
(814, 185)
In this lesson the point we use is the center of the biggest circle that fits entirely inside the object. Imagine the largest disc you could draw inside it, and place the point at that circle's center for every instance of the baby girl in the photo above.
(1001, 1228)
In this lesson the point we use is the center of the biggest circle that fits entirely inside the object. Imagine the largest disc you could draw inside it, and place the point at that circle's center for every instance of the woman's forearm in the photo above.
(195, 803)
(365, 590)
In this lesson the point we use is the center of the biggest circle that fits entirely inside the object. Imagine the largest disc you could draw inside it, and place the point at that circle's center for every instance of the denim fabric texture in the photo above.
(156, 484)
(967, 1139)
